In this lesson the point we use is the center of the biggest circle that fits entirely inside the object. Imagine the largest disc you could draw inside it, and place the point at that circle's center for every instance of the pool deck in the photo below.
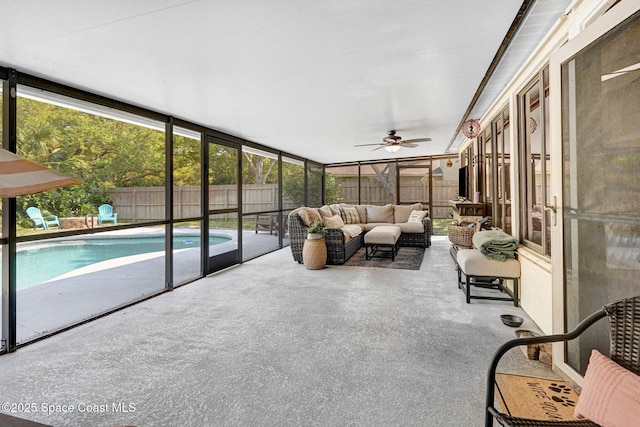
(99, 288)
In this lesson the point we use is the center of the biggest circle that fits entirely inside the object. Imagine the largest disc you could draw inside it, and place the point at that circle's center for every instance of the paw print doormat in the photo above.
(535, 398)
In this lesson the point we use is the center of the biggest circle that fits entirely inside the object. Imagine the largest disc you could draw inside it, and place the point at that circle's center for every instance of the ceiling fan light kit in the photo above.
(392, 142)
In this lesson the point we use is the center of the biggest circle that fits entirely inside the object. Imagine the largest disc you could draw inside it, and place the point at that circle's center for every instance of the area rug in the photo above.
(407, 258)
(535, 398)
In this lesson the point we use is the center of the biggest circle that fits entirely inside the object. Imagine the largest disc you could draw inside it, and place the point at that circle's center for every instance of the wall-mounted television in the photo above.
(463, 182)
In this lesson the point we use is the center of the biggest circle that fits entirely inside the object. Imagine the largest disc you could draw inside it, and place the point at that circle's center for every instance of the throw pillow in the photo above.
(309, 215)
(335, 209)
(417, 216)
(349, 215)
(610, 395)
(325, 211)
(362, 213)
(334, 222)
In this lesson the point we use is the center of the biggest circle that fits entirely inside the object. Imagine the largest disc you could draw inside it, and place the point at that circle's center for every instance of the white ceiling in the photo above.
(310, 77)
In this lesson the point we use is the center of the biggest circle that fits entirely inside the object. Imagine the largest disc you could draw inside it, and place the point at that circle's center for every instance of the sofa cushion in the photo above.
(349, 215)
(325, 211)
(380, 214)
(610, 395)
(371, 225)
(417, 216)
(401, 212)
(410, 227)
(352, 230)
(334, 221)
(309, 215)
(473, 263)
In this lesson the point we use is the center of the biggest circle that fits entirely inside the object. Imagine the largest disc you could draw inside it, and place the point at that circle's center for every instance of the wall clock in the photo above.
(471, 128)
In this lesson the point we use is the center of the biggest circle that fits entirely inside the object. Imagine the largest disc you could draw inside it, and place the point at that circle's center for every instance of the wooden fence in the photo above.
(137, 204)
(411, 190)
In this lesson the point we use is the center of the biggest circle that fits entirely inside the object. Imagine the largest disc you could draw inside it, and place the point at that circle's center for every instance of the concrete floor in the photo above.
(269, 343)
(98, 288)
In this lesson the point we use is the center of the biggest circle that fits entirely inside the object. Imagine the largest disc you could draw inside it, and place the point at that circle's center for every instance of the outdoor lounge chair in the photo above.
(105, 213)
(624, 328)
(267, 222)
(42, 221)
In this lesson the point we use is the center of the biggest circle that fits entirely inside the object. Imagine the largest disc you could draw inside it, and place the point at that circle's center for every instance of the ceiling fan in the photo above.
(393, 142)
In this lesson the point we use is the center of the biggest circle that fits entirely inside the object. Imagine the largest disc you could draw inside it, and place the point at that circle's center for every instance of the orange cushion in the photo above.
(610, 395)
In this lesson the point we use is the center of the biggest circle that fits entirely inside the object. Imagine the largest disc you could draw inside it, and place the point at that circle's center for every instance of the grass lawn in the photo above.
(440, 226)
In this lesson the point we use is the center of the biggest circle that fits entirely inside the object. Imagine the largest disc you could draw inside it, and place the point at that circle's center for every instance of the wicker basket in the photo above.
(461, 236)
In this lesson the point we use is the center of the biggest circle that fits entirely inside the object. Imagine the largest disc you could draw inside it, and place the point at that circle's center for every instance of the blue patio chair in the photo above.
(42, 221)
(105, 213)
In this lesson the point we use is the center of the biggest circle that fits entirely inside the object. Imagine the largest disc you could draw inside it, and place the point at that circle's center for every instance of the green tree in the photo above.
(332, 189)
(293, 185)
(223, 165)
(103, 153)
(258, 169)
(186, 161)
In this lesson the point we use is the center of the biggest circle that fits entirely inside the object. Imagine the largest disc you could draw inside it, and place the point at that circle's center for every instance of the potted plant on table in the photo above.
(316, 231)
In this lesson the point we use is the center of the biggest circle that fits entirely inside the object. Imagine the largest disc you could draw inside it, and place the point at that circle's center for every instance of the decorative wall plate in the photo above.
(471, 128)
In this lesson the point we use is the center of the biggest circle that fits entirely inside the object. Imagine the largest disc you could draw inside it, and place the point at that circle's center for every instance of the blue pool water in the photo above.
(42, 263)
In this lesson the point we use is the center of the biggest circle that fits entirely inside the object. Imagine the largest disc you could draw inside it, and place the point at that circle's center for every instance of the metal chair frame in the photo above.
(624, 328)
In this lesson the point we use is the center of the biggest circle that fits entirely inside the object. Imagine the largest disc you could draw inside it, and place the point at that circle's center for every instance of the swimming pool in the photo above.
(41, 263)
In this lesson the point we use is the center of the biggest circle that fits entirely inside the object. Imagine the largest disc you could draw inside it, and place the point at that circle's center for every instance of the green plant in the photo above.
(293, 186)
(316, 227)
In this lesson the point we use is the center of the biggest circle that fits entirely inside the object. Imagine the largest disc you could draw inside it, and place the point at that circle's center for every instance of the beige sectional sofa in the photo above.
(347, 225)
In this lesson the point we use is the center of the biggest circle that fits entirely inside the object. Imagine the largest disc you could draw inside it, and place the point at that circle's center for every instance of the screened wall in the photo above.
(159, 205)
(432, 181)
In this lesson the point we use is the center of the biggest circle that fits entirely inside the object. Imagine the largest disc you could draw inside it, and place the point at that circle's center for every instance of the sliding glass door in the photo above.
(600, 223)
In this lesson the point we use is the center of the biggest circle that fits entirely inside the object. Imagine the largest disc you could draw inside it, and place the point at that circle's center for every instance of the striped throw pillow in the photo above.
(349, 215)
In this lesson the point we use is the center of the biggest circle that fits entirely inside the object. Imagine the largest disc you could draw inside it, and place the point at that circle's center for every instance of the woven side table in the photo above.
(314, 254)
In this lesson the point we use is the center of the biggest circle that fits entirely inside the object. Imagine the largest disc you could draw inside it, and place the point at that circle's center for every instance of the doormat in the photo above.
(407, 258)
(535, 398)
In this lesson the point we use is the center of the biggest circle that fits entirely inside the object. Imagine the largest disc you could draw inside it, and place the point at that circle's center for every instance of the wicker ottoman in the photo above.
(382, 241)
(483, 272)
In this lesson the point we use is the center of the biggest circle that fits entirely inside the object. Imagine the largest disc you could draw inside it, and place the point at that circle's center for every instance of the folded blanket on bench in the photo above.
(495, 244)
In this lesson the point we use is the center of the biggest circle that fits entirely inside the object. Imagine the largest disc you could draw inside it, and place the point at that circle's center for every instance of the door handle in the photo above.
(553, 208)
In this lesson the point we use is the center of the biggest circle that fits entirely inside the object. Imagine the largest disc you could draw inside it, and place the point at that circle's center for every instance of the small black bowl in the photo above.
(511, 320)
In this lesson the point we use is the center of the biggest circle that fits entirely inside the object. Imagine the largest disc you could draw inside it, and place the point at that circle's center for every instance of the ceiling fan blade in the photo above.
(404, 144)
(382, 146)
(417, 140)
(363, 145)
